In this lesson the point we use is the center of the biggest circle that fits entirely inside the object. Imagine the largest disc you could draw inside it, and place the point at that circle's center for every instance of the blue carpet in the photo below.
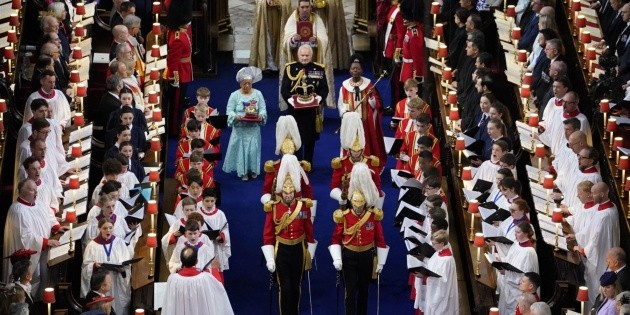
(247, 281)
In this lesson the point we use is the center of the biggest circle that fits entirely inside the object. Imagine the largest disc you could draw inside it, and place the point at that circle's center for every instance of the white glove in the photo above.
(265, 198)
(311, 249)
(335, 252)
(268, 252)
(372, 101)
(379, 268)
(313, 211)
(404, 157)
(381, 258)
(381, 201)
(336, 194)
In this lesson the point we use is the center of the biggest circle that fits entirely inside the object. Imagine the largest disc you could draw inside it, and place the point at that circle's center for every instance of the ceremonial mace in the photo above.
(383, 74)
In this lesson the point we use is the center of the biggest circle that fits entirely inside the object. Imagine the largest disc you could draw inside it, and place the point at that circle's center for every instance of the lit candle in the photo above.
(9, 53)
(624, 163)
(77, 53)
(156, 8)
(525, 91)
(156, 29)
(71, 216)
(522, 55)
(79, 31)
(442, 51)
(556, 217)
(453, 115)
(439, 29)
(576, 6)
(528, 78)
(586, 37)
(604, 106)
(75, 76)
(447, 73)
(533, 120)
(156, 115)
(155, 51)
(511, 11)
(49, 296)
(14, 20)
(473, 206)
(479, 240)
(81, 90)
(460, 144)
(154, 176)
(155, 74)
(12, 36)
(611, 126)
(155, 144)
(452, 97)
(435, 8)
(3, 105)
(153, 98)
(80, 9)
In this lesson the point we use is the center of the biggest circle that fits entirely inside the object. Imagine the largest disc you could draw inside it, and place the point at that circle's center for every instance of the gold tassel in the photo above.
(319, 124)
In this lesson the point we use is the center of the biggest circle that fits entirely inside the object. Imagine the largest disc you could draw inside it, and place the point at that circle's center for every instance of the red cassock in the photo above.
(414, 167)
(369, 234)
(208, 132)
(271, 172)
(179, 56)
(300, 228)
(403, 128)
(183, 148)
(395, 32)
(190, 113)
(410, 148)
(413, 54)
(401, 108)
(343, 166)
(184, 165)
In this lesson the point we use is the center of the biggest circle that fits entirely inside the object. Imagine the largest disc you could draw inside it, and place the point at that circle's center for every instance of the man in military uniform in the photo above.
(359, 230)
(413, 44)
(394, 36)
(352, 142)
(288, 242)
(309, 119)
(287, 142)
(178, 61)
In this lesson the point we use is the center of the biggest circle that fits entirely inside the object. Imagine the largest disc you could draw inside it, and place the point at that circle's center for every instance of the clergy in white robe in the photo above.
(29, 226)
(599, 236)
(521, 255)
(587, 171)
(580, 213)
(205, 252)
(107, 248)
(192, 292)
(441, 294)
(216, 220)
(554, 129)
(54, 139)
(59, 108)
(46, 194)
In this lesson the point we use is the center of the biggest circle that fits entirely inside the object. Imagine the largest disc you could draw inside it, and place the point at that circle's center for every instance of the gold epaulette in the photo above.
(307, 202)
(269, 205)
(306, 166)
(338, 215)
(335, 163)
(374, 161)
(320, 64)
(269, 167)
(378, 213)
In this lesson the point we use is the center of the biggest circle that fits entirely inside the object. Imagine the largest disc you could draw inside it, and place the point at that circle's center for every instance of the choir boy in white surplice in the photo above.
(521, 255)
(193, 239)
(587, 160)
(192, 292)
(29, 226)
(175, 234)
(551, 137)
(46, 194)
(59, 107)
(107, 248)
(600, 235)
(107, 209)
(216, 220)
(489, 168)
(441, 294)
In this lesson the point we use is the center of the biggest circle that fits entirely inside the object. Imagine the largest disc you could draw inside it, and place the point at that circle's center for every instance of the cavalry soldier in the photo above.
(288, 242)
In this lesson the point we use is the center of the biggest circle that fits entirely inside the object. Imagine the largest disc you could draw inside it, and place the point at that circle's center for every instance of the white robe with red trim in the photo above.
(216, 220)
(205, 253)
(191, 293)
(526, 260)
(441, 293)
(58, 106)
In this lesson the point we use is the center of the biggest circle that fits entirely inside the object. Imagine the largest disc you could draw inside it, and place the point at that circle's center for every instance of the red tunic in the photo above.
(370, 234)
(401, 108)
(184, 165)
(413, 54)
(402, 128)
(394, 39)
(410, 148)
(300, 227)
(270, 176)
(179, 56)
(208, 132)
(414, 168)
(183, 148)
(345, 167)
(190, 113)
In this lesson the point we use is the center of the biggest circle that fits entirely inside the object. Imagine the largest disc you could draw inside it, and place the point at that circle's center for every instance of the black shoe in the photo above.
(388, 111)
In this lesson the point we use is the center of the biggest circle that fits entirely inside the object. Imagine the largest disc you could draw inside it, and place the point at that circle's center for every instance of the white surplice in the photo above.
(523, 257)
(487, 171)
(205, 253)
(569, 184)
(58, 106)
(191, 292)
(216, 220)
(441, 295)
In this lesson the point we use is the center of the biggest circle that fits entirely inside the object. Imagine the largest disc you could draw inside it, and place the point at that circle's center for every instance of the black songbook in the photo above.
(489, 205)
(182, 229)
(417, 230)
(218, 121)
(505, 266)
(471, 132)
(212, 234)
(413, 197)
(499, 239)
(211, 157)
(483, 197)
(482, 186)
(143, 185)
(424, 250)
(407, 212)
(414, 240)
(424, 271)
(395, 149)
(215, 141)
(498, 216)
(115, 266)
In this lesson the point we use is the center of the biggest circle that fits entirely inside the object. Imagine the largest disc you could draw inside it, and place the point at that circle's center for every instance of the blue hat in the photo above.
(608, 278)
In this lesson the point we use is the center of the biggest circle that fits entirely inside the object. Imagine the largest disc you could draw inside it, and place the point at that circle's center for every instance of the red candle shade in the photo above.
(155, 144)
(80, 10)
(156, 8)
(581, 21)
(74, 76)
(79, 31)
(511, 11)
(533, 120)
(155, 51)
(525, 91)
(452, 97)
(453, 115)
(9, 53)
(467, 173)
(151, 240)
(442, 51)
(582, 295)
(156, 29)
(556, 217)
(81, 90)
(493, 311)
(11, 36)
(460, 144)
(14, 20)
(591, 54)
(611, 126)
(435, 8)
(155, 74)
(548, 182)
(3, 105)
(522, 55)
(76, 53)
(586, 37)
(576, 6)
(528, 78)
(154, 176)
(627, 183)
(16, 4)
(76, 150)
(479, 240)
(539, 151)
(473, 206)
(604, 106)
(447, 73)
(516, 33)
(49, 296)
(79, 120)
(617, 142)
(71, 216)
(153, 98)
(152, 207)
(624, 163)
(439, 29)
(156, 115)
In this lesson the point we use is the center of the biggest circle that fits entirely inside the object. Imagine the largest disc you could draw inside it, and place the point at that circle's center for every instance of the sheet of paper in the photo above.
(77, 234)
(171, 219)
(56, 252)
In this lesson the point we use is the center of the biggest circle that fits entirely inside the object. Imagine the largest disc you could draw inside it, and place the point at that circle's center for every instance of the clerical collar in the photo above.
(189, 272)
(45, 95)
(589, 204)
(100, 240)
(590, 170)
(203, 210)
(26, 203)
(100, 216)
(196, 246)
(606, 205)
(558, 102)
(527, 243)
(38, 181)
(570, 114)
(445, 252)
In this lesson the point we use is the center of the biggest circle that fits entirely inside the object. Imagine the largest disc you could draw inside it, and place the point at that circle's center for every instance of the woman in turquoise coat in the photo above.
(246, 111)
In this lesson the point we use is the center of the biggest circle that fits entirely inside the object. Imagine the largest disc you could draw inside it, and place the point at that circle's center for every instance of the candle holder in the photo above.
(628, 190)
(548, 186)
(556, 218)
(479, 243)
(611, 127)
(460, 145)
(617, 142)
(473, 208)
(152, 210)
(71, 218)
(49, 298)
(624, 164)
(533, 123)
(539, 153)
(151, 244)
(494, 311)
(582, 296)
(604, 107)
